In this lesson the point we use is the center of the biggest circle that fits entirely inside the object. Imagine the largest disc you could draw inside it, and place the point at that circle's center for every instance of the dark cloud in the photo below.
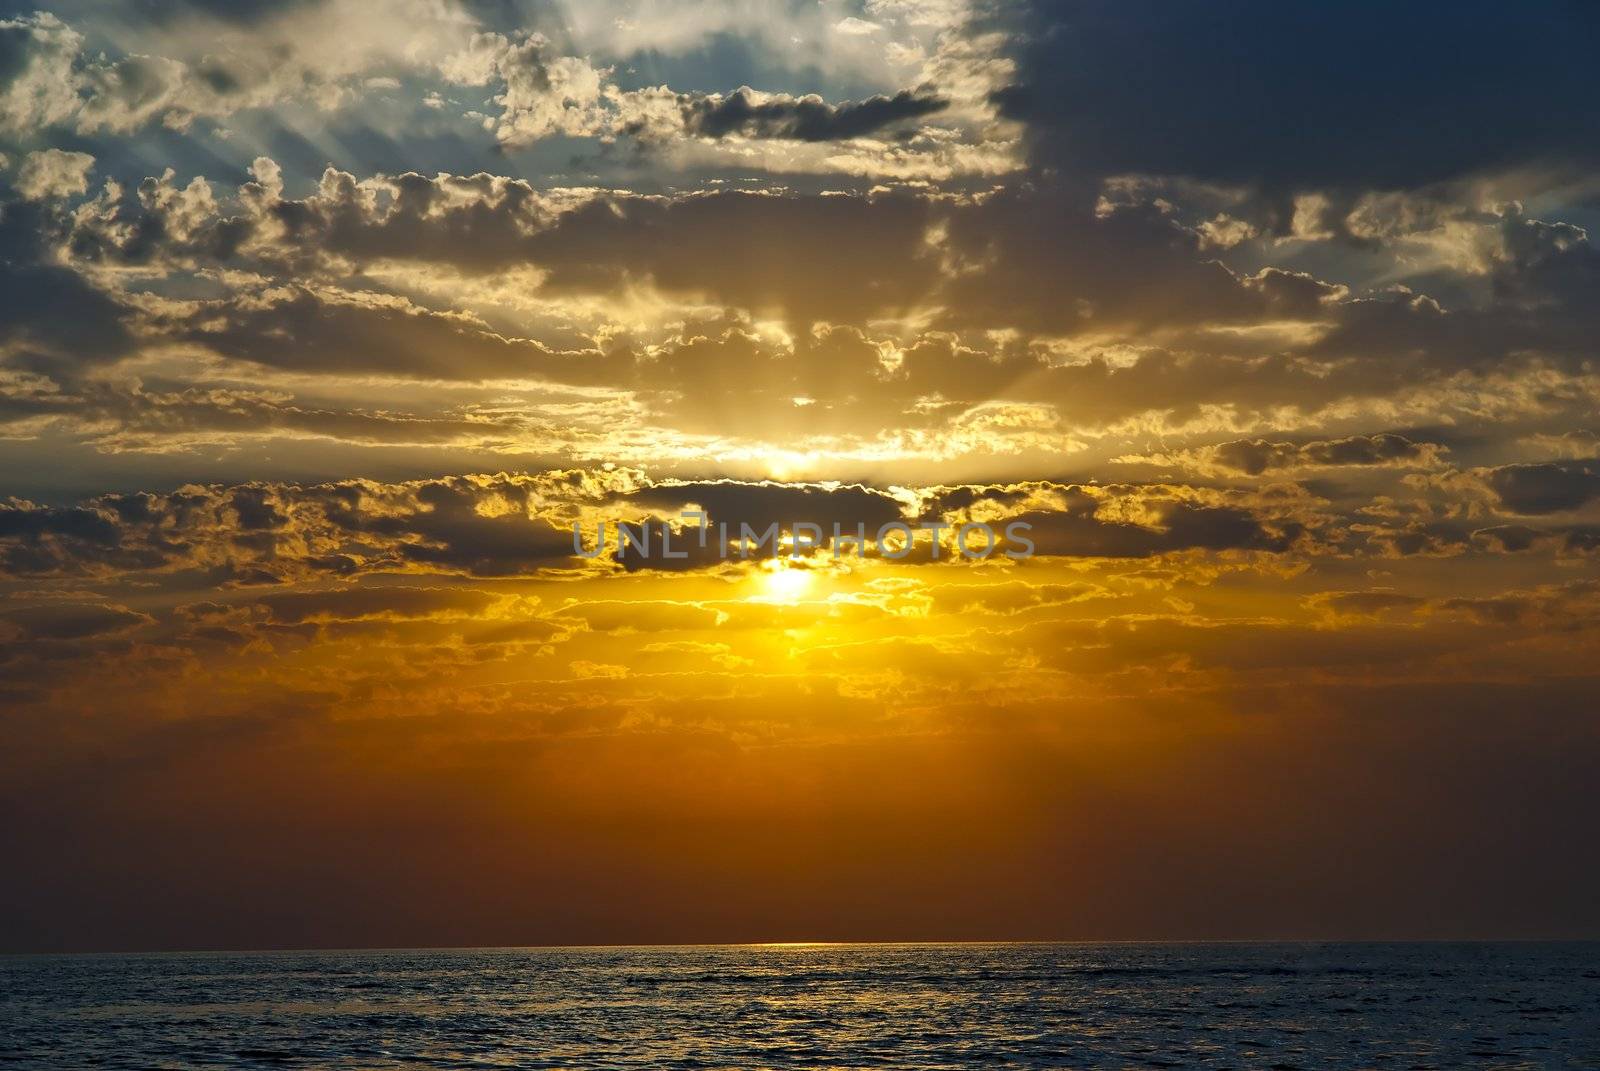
(1079, 529)
(1366, 603)
(50, 316)
(268, 533)
(1195, 334)
(1431, 539)
(1305, 96)
(475, 222)
(769, 502)
(1546, 267)
(1507, 538)
(72, 621)
(806, 258)
(1256, 456)
(331, 332)
(132, 417)
(1571, 605)
(1056, 267)
(1538, 305)
(1547, 487)
(43, 540)
(1566, 541)
(513, 525)
(758, 505)
(952, 500)
(808, 118)
(447, 528)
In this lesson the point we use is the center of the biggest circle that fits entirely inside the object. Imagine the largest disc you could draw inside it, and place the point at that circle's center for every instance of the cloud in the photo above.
(544, 93)
(52, 173)
(747, 113)
(646, 616)
(1230, 92)
(857, 27)
(206, 66)
(1255, 457)
(1573, 540)
(351, 604)
(1081, 531)
(72, 622)
(1365, 604)
(511, 525)
(1012, 598)
(117, 417)
(804, 258)
(735, 504)
(36, 72)
(1116, 270)
(807, 257)
(1568, 606)
(1065, 520)
(983, 340)
(269, 533)
(964, 265)
(1546, 487)
(318, 330)
(50, 316)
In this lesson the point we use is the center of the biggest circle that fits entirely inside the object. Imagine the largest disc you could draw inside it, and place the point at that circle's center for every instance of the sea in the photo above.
(1206, 1005)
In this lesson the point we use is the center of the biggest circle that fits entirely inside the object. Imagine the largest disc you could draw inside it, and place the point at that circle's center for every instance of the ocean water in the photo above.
(924, 1006)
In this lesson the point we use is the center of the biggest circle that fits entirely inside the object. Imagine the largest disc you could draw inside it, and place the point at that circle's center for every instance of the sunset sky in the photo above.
(322, 322)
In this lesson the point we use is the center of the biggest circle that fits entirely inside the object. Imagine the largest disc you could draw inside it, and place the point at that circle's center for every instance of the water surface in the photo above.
(915, 1006)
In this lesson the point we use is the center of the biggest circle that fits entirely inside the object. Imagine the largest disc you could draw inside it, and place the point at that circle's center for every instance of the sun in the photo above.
(781, 582)
(790, 464)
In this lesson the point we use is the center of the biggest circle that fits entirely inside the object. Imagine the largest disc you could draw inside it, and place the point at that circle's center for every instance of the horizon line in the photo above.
(800, 944)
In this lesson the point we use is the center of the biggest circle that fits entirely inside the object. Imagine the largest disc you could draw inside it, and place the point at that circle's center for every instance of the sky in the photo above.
(321, 328)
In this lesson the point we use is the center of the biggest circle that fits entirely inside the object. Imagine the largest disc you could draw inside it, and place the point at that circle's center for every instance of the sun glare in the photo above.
(781, 582)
